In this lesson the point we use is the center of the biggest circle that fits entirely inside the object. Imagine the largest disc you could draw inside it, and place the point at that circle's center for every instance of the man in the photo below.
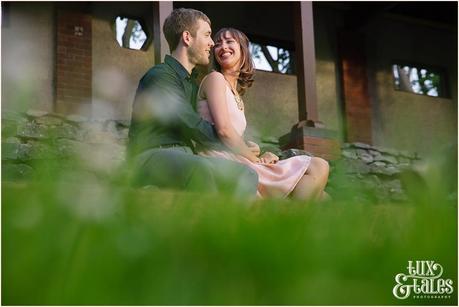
(165, 128)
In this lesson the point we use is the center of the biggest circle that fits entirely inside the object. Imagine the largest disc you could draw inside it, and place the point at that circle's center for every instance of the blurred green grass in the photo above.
(90, 242)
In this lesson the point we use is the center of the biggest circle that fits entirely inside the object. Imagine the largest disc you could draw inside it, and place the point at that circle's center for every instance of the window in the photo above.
(269, 58)
(419, 80)
(129, 33)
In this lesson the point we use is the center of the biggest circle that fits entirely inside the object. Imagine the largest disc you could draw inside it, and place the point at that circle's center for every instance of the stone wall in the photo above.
(363, 173)
(36, 138)
(376, 170)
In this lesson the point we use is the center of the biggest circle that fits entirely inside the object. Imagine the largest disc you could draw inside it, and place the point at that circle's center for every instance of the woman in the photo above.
(219, 102)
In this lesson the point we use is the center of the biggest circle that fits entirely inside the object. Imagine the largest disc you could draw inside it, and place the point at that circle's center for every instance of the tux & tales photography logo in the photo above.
(424, 279)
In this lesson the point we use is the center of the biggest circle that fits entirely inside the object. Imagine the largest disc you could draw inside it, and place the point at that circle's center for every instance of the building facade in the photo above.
(347, 76)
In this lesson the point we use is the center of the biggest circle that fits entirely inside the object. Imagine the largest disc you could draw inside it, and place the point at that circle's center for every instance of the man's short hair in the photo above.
(181, 20)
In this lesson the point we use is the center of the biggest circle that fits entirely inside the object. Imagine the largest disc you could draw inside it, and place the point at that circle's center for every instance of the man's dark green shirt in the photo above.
(164, 110)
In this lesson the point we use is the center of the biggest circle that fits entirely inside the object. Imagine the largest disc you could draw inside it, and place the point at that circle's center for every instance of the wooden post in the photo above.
(161, 9)
(305, 61)
(309, 134)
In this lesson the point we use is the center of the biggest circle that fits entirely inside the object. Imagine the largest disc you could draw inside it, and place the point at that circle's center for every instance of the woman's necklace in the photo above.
(237, 98)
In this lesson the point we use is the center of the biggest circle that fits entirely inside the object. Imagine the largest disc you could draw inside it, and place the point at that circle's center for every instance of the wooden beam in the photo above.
(305, 61)
(161, 9)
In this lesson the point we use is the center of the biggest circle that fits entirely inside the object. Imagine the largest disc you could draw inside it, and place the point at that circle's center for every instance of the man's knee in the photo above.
(204, 169)
(239, 178)
(200, 176)
(245, 172)
(251, 175)
(246, 182)
(248, 176)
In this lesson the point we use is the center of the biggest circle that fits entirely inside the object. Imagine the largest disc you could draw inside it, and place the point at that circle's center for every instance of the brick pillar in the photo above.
(357, 106)
(73, 63)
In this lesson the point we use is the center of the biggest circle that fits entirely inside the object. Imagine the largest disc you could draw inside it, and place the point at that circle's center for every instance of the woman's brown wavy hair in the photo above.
(246, 70)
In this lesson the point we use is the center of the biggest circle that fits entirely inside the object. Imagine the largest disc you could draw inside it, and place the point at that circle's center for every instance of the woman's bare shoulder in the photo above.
(214, 81)
(215, 76)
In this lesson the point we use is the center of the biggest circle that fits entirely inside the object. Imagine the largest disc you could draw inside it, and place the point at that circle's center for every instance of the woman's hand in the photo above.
(269, 158)
(254, 148)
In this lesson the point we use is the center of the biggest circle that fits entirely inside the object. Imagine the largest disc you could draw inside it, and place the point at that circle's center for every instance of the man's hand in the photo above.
(254, 148)
(269, 158)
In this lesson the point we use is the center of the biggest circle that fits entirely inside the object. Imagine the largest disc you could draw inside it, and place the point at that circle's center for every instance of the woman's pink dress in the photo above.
(275, 180)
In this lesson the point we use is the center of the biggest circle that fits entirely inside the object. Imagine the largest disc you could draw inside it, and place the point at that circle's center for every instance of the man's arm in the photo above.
(162, 98)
